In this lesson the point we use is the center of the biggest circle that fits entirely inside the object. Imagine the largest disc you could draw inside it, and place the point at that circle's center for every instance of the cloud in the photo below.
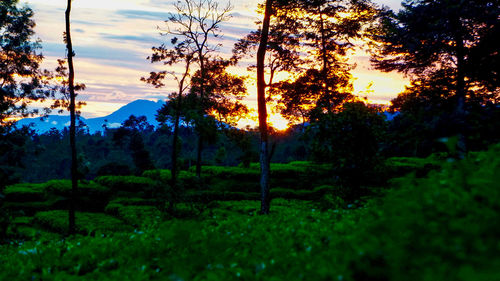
(142, 38)
(142, 14)
(114, 125)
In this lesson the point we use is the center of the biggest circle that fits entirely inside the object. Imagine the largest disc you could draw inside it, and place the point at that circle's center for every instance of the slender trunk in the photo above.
(461, 114)
(261, 98)
(200, 134)
(199, 155)
(175, 153)
(72, 130)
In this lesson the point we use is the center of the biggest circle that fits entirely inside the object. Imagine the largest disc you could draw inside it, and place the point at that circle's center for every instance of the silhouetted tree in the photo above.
(132, 131)
(72, 110)
(329, 29)
(427, 37)
(196, 22)
(262, 107)
(350, 140)
(21, 79)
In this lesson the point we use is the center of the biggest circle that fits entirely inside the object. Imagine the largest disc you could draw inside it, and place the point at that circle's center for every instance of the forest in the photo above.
(351, 190)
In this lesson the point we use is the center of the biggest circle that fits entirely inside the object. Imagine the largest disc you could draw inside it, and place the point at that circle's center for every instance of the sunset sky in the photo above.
(112, 39)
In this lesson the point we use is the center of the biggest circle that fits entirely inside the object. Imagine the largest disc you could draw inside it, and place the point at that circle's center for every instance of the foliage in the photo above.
(414, 43)
(433, 228)
(87, 223)
(131, 132)
(426, 114)
(114, 169)
(126, 183)
(138, 214)
(21, 79)
(350, 140)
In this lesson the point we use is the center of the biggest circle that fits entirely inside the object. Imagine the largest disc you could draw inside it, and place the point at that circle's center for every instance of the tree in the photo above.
(72, 110)
(350, 140)
(323, 29)
(21, 82)
(196, 22)
(133, 130)
(21, 79)
(200, 92)
(428, 37)
(265, 170)
(180, 53)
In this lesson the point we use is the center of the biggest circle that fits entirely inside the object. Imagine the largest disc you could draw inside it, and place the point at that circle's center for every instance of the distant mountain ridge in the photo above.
(137, 108)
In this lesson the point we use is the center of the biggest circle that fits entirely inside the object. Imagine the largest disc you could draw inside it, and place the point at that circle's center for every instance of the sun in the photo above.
(278, 122)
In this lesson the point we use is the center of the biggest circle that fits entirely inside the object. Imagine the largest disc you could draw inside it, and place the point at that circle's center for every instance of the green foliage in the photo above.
(134, 211)
(126, 183)
(295, 175)
(63, 188)
(350, 141)
(434, 228)
(315, 194)
(54, 194)
(400, 166)
(114, 169)
(186, 179)
(86, 223)
(25, 192)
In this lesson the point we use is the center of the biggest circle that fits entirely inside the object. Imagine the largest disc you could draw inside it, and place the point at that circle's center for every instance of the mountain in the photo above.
(137, 108)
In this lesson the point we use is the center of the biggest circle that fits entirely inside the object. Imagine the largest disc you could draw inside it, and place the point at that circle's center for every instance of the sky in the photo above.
(113, 38)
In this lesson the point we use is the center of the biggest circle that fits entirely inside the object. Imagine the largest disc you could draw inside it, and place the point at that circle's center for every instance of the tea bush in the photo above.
(86, 223)
(439, 227)
(25, 192)
(127, 183)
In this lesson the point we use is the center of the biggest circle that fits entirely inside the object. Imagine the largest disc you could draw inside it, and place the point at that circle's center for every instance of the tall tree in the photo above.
(203, 90)
(265, 170)
(197, 22)
(72, 128)
(330, 29)
(181, 53)
(428, 37)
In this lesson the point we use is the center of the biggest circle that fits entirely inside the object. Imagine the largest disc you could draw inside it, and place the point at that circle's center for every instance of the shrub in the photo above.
(86, 223)
(25, 192)
(135, 215)
(314, 194)
(400, 166)
(63, 188)
(127, 183)
(209, 196)
(30, 208)
(114, 169)
(331, 202)
(186, 179)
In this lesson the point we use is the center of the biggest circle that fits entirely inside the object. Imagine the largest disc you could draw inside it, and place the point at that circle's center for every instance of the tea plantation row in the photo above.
(438, 227)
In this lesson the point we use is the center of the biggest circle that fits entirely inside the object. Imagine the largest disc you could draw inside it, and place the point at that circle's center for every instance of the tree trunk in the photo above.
(175, 143)
(199, 155)
(461, 113)
(72, 130)
(261, 98)
(202, 96)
